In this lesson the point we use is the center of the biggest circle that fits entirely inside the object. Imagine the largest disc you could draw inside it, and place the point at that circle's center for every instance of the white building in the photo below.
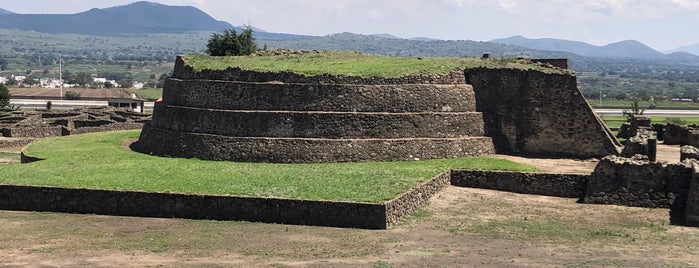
(3, 80)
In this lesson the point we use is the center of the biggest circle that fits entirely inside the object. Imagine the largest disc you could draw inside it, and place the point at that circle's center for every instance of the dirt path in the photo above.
(459, 228)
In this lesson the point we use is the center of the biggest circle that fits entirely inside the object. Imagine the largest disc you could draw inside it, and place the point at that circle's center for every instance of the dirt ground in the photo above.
(460, 227)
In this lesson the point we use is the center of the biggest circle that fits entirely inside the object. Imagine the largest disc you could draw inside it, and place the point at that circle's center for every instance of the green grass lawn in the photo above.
(147, 93)
(616, 121)
(626, 104)
(98, 161)
(353, 64)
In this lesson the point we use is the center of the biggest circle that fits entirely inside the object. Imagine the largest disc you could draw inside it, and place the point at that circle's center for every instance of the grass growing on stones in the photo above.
(353, 64)
(100, 161)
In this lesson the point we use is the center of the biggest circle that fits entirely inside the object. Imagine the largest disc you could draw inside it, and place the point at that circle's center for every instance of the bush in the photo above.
(4, 97)
(48, 105)
(72, 95)
(231, 43)
(675, 120)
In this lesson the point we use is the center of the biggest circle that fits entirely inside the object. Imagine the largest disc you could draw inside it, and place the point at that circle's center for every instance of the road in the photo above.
(653, 112)
(64, 104)
(70, 104)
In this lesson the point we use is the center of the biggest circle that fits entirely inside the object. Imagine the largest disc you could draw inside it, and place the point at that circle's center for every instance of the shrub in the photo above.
(71, 95)
(48, 105)
(675, 120)
(4, 97)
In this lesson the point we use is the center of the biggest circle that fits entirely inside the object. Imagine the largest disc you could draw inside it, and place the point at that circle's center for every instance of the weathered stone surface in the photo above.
(637, 182)
(691, 212)
(533, 112)
(676, 134)
(304, 150)
(689, 152)
(271, 210)
(562, 185)
(167, 205)
(330, 125)
(643, 143)
(279, 96)
(53, 123)
(242, 115)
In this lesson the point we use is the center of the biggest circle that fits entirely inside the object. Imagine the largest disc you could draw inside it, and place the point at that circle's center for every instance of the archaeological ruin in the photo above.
(237, 114)
(243, 115)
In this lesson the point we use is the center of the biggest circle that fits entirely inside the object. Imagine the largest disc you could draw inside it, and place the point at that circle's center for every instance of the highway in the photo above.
(651, 112)
(70, 104)
(64, 104)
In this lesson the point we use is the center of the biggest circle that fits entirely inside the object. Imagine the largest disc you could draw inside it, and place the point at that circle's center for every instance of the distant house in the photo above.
(3, 80)
(99, 80)
(19, 78)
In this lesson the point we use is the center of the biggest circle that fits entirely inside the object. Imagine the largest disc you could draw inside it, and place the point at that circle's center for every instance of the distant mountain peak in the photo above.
(5, 12)
(626, 49)
(135, 18)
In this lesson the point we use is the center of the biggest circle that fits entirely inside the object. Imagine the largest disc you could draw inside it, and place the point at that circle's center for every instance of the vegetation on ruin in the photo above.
(99, 161)
(616, 121)
(353, 63)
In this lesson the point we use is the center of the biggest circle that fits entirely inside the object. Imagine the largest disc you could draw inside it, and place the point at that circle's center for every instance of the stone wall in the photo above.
(279, 96)
(14, 142)
(303, 150)
(638, 182)
(271, 210)
(561, 185)
(690, 215)
(532, 112)
(410, 201)
(54, 123)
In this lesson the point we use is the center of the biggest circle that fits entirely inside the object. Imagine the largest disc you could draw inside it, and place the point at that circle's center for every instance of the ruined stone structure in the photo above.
(243, 115)
(24, 125)
(532, 112)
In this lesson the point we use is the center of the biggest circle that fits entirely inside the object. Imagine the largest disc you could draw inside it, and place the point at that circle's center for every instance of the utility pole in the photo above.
(60, 74)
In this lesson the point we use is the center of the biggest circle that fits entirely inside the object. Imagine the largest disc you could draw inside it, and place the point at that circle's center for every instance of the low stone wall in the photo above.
(561, 185)
(304, 150)
(415, 198)
(676, 134)
(14, 142)
(167, 205)
(33, 132)
(638, 182)
(108, 127)
(329, 125)
(271, 210)
(691, 211)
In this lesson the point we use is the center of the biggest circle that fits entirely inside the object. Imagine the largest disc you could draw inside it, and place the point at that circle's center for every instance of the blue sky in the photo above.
(661, 24)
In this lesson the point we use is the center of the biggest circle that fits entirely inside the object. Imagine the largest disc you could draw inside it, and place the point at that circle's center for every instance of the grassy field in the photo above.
(147, 93)
(99, 161)
(616, 121)
(352, 63)
(626, 104)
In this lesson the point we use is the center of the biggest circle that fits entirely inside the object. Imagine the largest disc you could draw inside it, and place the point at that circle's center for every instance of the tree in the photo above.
(125, 83)
(3, 64)
(4, 97)
(230, 43)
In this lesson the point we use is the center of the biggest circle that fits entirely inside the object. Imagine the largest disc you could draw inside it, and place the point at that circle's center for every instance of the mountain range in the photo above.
(148, 17)
(136, 18)
(628, 49)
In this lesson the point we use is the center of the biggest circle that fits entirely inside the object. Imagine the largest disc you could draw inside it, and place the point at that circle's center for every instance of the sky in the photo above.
(661, 24)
